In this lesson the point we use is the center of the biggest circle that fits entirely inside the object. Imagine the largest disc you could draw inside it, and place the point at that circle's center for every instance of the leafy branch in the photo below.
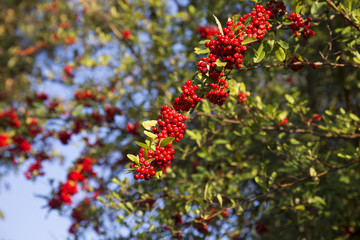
(343, 14)
(284, 129)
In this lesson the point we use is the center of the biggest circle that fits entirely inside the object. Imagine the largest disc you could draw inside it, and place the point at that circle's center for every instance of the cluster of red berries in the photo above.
(316, 117)
(295, 67)
(51, 7)
(259, 24)
(145, 171)
(160, 158)
(79, 214)
(79, 123)
(228, 48)
(65, 25)
(299, 23)
(170, 124)
(69, 40)
(80, 173)
(207, 32)
(201, 226)
(9, 117)
(52, 105)
(217, 95)
(132, 128)
(283, 122)
(127, 34)
(4, 139)
(23, 146)
(32, 49)
(111, 112)
(188, 98)
(68, 70)
(41, 96)
(242, 97)
(35, 168)
(64, 137)
(33, 127)
(18, 143)
(276, 8)
(88, 94)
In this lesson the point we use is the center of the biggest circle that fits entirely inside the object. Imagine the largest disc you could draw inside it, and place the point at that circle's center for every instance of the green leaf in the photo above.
(219, 25)
(280, 54)
(166, 141)
(219, 63)
(150, 134)
(149, 124)
(283, 44)
(101, 200)
(152, 228)
(300, 207)
(354, 117)
(130, 206)
(342, 111)
(116, 180)
(199, 50)
(346, 156)
(293, 141)
(289, 98)
(298, 7)
(116, 195)
(129, 169)
(259, 54)
(206, 189)
(312, 172)
(202, 42)
(328, 112)
(219, 197)
(356, 15)
(134, 158)
(270, 43)
(158, 174)
(143, 145)
(249, 40)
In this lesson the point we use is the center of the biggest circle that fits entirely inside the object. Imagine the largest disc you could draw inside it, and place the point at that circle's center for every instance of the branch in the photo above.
(343, 14)
(301, 63)
(283, 129)
(286, 185)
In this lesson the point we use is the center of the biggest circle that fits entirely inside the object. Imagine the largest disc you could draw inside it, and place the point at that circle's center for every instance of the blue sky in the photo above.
(26, 216)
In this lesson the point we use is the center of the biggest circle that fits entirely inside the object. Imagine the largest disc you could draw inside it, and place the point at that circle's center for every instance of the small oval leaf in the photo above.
(149, 124)
(166, 141)
(150, 134)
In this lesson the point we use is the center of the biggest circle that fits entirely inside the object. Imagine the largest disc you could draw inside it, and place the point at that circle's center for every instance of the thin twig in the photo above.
(301, 63)
(285, 185)
(284, 129)
(343, 14)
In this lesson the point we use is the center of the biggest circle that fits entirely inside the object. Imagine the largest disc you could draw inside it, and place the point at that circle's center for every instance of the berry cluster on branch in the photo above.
(226, 52)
